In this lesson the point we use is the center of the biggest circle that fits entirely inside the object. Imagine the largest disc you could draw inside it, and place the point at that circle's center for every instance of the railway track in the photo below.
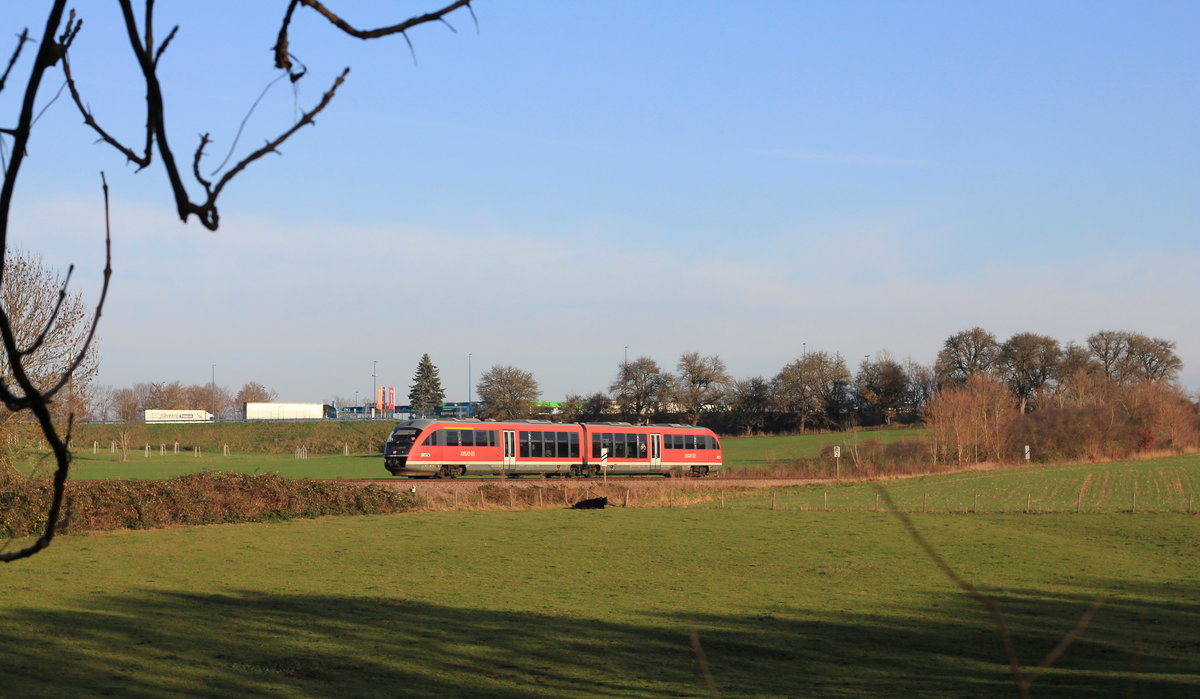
(576, 483)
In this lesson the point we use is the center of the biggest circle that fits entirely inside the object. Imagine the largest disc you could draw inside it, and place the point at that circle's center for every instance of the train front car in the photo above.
(443, 448)
(400, 443)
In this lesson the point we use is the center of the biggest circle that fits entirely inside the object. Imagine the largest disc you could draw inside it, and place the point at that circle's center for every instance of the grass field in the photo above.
(788, 602)
(1170, 484)
(86, 466)
(744, 452)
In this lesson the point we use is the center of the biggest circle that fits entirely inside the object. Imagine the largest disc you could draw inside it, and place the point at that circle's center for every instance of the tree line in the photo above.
(818, 390)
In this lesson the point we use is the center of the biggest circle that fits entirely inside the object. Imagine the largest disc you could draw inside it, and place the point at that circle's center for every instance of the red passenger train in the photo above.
(452, 448)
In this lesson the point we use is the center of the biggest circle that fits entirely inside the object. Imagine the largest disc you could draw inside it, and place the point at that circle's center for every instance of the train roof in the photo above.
(422, 423)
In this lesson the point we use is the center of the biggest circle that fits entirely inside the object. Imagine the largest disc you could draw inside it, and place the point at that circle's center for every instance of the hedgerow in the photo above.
(209, 497)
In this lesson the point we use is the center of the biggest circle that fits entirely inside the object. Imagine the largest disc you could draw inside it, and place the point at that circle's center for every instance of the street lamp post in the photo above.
(469, 384)
(212, 392)
(374, 386)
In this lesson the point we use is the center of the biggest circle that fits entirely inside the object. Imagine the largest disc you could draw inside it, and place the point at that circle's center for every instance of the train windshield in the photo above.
(404, 437)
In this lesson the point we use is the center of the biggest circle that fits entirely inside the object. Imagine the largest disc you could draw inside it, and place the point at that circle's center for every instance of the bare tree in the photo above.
(1028, 362)
(507, 393)
(53, 52)
(1110, 349)
(922, 384)
(966, 353)
(127, 407)
(254, 392)
(641, 389)
(750, 402)
(100, 402)
(1129, 356)
(577, 408)
(700, 384)
(882, 386)
(1153, 358)
(814, 387)
(53, 324)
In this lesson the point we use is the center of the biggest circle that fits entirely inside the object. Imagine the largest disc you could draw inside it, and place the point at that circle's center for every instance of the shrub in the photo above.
(200, 498)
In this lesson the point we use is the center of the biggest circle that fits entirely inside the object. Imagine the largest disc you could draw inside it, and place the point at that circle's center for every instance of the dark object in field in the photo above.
(591, 504)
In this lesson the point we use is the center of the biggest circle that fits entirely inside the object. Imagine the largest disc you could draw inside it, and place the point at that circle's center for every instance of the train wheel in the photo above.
(699, 471)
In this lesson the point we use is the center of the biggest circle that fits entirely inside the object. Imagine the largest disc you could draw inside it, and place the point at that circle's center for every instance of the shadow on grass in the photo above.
(250, 643)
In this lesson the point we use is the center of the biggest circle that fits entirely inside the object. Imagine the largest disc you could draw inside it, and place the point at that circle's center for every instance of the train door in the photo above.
(510, 449)
(656, 452)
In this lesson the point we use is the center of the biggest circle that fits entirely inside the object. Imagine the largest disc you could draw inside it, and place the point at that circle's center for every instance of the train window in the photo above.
(700, 442)
(452, 437)
(689, 441)
(618, 450)
(523, 437)
(641, 446)
(595, 445)
(485, 438)
(669, 441)
(551, 446)
(466, 438)
(564, 445)
(606, 444)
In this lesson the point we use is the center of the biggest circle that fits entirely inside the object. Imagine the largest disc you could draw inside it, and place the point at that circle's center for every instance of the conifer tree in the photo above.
(427, 393)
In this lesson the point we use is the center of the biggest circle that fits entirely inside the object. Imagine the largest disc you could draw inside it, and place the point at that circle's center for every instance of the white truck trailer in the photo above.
(287, 411)
(161, 416)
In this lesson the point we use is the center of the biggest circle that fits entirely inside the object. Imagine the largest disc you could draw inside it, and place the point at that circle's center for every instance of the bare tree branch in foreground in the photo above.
(24, 391)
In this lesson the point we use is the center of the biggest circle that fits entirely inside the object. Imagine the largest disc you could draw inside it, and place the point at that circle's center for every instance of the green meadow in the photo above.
(795, 601)
(744, 452)
(1169, 484)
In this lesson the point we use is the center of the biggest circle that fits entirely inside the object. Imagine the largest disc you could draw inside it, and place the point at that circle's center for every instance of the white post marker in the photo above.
(1027, 454)
(837, 460)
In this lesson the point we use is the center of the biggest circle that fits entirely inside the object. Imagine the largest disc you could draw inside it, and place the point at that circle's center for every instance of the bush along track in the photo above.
(200, 498)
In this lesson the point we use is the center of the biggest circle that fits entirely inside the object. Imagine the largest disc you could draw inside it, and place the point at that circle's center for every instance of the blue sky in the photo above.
(742, 179)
